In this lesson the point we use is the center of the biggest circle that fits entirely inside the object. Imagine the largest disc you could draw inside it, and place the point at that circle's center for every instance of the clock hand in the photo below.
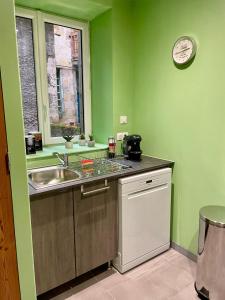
(183, 50)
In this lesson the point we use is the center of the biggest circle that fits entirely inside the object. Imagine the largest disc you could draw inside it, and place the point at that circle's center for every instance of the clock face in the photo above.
(184, 50)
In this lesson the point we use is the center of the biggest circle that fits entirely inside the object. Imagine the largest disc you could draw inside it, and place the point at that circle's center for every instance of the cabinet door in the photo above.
(95, 225)
(53, 239)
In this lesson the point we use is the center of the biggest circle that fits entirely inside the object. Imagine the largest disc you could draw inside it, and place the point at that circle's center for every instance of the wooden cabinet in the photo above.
(53, 239)
(95, 207)
(74, 231)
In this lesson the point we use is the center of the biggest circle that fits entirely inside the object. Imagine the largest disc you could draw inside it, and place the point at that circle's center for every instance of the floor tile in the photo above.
(169, 276)
(171, 254)
(84, 286)
(128, 290)
(93, 293)
(110, 278)
(188, 293)
(155, 289)
(183, 262)
(149, 266)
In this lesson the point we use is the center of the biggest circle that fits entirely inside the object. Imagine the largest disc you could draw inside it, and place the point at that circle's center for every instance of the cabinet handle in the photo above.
(101, 190)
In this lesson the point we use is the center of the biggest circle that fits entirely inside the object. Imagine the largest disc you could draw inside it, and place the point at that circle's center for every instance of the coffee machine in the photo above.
(131, 147)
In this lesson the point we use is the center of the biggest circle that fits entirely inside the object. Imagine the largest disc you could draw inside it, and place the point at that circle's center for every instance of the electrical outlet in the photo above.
(123, 119)
(120, 135)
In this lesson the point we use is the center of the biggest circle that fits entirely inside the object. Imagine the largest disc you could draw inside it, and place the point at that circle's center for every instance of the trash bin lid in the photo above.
(215, 215)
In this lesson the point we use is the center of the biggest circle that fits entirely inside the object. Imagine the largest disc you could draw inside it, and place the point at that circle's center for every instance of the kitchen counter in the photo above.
(145, 165)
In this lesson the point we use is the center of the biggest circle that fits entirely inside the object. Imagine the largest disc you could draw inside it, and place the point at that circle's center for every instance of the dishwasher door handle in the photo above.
(149, 181)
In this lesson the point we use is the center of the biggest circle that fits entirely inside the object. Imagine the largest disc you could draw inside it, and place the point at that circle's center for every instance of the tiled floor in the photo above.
(169, 276)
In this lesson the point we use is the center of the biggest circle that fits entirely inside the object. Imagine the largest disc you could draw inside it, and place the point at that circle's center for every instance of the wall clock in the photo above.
(184, 50)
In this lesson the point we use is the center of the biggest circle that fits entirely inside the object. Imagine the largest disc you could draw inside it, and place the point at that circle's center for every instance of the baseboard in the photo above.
(183, 251)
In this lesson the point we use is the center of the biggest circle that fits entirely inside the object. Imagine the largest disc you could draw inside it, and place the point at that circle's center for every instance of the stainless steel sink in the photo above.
(49, 176)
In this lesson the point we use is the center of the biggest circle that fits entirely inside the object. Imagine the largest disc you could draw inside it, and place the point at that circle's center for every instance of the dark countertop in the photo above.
(145, 165)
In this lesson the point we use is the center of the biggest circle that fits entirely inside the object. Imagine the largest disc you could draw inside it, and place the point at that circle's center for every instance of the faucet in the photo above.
(63, 158)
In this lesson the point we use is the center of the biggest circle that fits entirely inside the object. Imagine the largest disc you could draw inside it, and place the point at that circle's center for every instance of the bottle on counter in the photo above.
(30, 144)
(112, 147)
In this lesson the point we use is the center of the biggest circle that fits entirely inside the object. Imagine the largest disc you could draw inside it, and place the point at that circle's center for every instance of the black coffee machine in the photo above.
(131, 147)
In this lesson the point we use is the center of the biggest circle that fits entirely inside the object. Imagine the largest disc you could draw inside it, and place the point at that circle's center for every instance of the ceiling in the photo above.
(79, 9)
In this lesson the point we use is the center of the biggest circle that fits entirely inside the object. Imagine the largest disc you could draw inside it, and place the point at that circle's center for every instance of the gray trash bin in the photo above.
(210, 280)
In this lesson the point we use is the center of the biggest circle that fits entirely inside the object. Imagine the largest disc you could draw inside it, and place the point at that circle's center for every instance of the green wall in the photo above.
(180, 112)
(123, 42)
(14, 124)
(112, 70)
(101, 77)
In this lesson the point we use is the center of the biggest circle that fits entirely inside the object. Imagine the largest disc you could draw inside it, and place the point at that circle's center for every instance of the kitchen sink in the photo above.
(49, 176)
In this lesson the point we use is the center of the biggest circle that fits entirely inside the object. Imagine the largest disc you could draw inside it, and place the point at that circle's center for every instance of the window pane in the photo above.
(64, 69)
(27, 73)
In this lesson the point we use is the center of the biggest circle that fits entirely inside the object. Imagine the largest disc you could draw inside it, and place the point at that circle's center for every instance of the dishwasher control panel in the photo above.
(146, 180)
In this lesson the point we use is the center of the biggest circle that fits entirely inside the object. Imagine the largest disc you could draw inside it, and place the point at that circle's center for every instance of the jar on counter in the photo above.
(38, 140)
(112, 147)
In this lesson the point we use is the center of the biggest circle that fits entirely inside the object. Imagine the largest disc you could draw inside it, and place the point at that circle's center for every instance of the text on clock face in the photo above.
(182, 50)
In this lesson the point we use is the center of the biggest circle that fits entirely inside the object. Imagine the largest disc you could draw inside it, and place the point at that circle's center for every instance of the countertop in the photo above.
(145, 165)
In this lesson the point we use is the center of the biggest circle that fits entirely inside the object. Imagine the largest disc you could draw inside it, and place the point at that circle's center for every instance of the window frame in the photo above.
(38, 21)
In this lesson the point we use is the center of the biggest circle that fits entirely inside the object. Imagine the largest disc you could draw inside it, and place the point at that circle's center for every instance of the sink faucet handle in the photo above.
(63, 158)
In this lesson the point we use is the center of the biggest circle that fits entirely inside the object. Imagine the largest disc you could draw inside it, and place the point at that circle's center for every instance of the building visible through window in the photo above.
(64, 68)
(27, 73)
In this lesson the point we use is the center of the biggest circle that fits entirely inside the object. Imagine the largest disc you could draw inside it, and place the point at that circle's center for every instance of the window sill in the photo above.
(48, 150)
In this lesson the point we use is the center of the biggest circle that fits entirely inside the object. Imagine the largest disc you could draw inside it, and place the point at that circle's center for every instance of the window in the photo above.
(54, 70)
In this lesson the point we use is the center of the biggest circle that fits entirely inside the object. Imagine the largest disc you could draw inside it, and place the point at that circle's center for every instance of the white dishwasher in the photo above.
(144, 217)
